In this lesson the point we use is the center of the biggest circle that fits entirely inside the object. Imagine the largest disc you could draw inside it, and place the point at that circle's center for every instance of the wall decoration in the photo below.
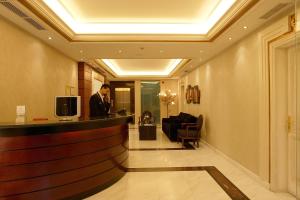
(189, 94)
(196, 95)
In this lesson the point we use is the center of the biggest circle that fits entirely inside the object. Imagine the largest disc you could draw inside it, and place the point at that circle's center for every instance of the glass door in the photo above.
(150, 99)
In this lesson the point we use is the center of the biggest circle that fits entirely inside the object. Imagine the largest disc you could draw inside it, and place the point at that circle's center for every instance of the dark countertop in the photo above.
(49, 127)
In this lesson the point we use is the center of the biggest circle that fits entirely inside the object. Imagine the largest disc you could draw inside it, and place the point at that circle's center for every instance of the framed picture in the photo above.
(189, 94)
(196, 95)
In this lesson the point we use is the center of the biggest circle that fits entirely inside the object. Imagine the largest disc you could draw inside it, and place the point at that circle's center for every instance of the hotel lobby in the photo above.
(203, 99)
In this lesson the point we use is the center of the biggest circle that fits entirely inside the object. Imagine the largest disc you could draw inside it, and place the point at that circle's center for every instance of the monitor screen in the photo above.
(67, 106)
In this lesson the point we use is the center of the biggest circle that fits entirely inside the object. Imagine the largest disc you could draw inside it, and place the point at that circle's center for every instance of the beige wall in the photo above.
(31, 74)
(229, 101)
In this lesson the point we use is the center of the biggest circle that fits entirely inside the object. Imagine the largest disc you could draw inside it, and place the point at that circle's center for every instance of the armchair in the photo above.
(191, 131)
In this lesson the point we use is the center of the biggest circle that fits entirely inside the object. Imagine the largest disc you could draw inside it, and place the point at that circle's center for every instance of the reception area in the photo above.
(153, 100)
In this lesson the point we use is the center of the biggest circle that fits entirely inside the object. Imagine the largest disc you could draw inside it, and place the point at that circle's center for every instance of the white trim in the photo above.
(252, 175)
(279, 113)
(273, 31)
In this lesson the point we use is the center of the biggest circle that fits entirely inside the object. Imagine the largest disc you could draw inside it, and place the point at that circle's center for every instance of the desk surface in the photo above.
(39, 127)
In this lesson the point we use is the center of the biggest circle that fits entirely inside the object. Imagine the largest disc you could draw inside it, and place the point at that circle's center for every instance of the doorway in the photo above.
(122, 96)
(283, 96)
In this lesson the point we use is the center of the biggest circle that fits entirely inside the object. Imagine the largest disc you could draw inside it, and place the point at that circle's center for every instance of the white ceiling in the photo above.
(145, 50)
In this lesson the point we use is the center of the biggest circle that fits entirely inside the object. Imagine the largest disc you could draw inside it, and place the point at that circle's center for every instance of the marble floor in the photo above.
(177, 185)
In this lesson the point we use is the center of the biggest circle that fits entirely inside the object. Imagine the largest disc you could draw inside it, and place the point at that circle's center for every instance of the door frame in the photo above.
(278, 31)
(278, 116)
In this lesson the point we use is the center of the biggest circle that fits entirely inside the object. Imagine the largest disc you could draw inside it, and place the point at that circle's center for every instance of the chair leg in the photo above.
(197, 143)
(182, 139)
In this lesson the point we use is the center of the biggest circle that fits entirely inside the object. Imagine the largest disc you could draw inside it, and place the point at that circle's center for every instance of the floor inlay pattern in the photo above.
(222, 181)
(187, 146)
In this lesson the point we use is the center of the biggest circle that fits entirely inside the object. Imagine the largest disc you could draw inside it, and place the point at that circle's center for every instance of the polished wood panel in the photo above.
(9, 173)
(85, 85)
(76, 190)
(25, 142)
(57, 152)
(58, 179)
(68, 164)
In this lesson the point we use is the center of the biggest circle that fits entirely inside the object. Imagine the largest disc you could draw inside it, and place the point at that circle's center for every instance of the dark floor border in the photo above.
(232, 191)
(187, 146)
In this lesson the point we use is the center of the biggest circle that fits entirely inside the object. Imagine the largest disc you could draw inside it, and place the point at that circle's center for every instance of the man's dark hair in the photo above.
(105, 86)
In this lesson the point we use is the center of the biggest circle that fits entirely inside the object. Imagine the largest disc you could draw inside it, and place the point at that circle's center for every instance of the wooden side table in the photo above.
(147, 132)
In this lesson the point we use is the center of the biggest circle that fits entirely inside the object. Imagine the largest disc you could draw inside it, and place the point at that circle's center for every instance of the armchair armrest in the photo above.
(193, 127)
(183, 125)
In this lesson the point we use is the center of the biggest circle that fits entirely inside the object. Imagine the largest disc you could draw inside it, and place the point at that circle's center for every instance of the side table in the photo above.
(147, 132)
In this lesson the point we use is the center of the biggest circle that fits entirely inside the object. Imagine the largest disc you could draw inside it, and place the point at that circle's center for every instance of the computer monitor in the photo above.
(67, 107)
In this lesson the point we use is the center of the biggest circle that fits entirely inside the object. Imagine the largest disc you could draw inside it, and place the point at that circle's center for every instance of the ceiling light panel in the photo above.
(166, 70)
(195, 26)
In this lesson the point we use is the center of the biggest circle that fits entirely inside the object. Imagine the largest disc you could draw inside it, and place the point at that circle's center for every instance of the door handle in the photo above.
(289, 124)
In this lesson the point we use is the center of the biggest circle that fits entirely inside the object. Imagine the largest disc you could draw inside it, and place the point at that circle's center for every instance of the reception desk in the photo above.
(62, 160)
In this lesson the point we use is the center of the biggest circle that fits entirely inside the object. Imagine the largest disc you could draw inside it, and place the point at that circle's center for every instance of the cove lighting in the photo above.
(116, 69)
(139, 28)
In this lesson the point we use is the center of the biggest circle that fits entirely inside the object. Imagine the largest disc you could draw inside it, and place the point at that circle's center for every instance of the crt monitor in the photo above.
(67, 107)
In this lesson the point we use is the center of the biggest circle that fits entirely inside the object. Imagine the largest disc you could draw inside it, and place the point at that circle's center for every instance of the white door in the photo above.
(291, 122)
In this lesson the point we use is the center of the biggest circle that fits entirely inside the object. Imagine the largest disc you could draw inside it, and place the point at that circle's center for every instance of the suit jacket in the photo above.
(98, 108)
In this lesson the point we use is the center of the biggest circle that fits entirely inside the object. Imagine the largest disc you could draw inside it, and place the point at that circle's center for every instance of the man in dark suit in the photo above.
(99, 102)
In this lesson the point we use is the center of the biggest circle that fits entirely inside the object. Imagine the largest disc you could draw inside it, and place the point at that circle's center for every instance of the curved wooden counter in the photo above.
(68, 160)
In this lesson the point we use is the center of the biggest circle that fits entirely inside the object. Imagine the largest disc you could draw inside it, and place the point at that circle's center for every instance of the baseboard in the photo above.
(238, 165)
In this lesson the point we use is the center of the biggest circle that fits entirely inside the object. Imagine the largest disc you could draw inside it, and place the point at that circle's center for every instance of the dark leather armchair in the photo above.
(190, 131)
(173, 123)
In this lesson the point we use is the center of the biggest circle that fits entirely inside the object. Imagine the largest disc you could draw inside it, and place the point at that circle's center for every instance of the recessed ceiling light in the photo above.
(201, 51)
(49, 38)
(81, 51)
(245, 27)
(161, 51)
(229, 38)
(120, 51)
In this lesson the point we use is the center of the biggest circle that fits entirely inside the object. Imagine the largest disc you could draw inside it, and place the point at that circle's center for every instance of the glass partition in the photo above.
(150, 99)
